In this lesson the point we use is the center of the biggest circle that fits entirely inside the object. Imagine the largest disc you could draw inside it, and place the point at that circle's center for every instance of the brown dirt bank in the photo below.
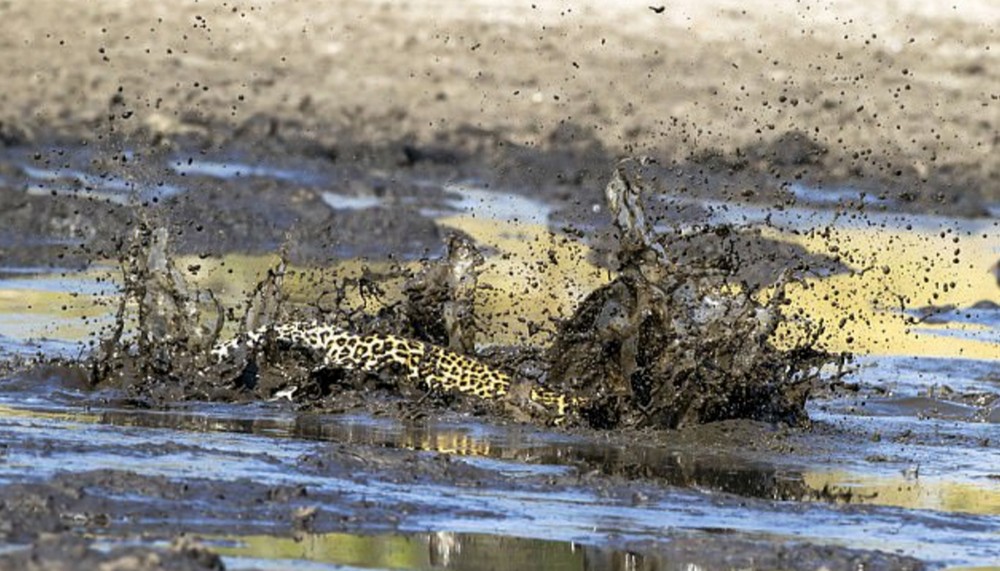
(899, 100)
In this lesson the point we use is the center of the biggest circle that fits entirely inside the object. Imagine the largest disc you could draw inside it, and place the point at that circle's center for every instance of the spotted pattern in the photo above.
(436, 367)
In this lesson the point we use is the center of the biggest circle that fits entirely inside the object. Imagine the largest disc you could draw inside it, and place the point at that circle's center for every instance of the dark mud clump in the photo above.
(674, 341)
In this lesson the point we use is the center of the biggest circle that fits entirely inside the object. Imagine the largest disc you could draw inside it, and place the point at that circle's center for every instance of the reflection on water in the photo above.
(262, 444)
(497, 205)
(836, 196)
(909, 490)
(346, 202)
(52, 310)
(539, 450)
(441, 550)
(524, 451)
(53, 281)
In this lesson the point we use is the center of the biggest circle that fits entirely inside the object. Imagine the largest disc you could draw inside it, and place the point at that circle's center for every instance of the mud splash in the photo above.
(667, 343)
(674, 341)
(171, 333)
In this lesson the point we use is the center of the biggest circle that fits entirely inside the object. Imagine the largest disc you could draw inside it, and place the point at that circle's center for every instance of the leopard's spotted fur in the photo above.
(436, 367)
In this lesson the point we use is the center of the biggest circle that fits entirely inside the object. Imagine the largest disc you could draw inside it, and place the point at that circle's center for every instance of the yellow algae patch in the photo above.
(533, 276)
(923, 493)
(29, 313)
(232, 278)
(530, 278)
(229, 278)
(536, 276)
(896, 270)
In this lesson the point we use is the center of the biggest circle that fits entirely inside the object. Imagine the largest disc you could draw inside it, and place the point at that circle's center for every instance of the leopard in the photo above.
(420, 363)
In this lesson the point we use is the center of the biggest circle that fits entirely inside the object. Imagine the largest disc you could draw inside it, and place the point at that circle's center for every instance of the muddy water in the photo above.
(526, 483)
(902, 459)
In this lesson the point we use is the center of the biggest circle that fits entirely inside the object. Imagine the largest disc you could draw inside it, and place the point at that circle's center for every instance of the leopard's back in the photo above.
(420, 363)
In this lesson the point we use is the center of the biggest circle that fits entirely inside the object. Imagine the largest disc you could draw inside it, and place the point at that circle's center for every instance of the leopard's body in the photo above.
(436, 367)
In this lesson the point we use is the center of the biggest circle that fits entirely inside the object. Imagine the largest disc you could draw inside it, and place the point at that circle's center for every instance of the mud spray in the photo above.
(672, 340)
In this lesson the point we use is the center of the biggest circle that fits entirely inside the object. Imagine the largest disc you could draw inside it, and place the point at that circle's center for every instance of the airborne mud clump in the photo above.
(674, 340)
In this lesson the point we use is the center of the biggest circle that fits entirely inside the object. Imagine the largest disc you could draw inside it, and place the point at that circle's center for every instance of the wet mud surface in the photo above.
(772, 326)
